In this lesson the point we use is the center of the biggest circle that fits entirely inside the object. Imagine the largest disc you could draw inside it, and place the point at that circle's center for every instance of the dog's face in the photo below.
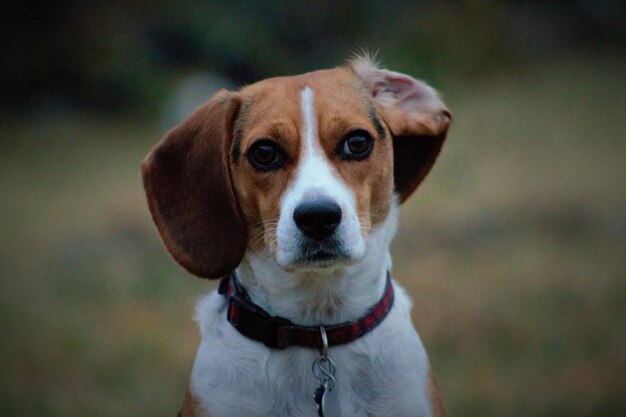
(312, 168)
(300, 167)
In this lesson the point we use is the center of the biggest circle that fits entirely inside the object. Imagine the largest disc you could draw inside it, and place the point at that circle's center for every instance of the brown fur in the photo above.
(191, 407)
(190, 195)
(435, 396)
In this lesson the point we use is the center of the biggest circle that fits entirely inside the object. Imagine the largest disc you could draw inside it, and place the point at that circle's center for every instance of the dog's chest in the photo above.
(380, 374)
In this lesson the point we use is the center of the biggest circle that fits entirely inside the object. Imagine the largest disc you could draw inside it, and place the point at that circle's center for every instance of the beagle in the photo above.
(288, 191)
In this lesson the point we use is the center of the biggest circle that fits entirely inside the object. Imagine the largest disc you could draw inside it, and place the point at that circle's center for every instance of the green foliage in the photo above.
(126, 56)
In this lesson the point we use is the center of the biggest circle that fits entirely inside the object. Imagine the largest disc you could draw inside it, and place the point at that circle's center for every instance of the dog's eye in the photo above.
(356, 146)
(266, 155)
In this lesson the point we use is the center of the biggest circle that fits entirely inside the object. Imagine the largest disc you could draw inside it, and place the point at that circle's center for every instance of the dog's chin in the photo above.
(323, 260)
(311, 258)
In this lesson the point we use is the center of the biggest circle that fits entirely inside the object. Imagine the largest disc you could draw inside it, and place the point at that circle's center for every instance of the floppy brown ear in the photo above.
(190, 193)
(417, 120)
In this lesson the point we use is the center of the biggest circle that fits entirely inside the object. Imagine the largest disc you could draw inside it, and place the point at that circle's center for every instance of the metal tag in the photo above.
(330, 403)
(327, 401)
(318, 397)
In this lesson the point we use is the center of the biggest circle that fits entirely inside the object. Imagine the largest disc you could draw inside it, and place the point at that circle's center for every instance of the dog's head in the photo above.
(302, 167)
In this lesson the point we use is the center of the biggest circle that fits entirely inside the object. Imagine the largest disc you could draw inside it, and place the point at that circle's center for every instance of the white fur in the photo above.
(383, 373)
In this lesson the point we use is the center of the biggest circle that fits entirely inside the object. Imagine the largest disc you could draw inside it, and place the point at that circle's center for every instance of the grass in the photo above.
(513, 251)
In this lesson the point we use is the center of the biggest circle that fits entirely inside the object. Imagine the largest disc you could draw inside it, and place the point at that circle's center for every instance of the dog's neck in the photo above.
(321, 296)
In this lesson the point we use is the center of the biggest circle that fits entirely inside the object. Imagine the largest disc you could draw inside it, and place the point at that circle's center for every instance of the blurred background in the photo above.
(514, 249)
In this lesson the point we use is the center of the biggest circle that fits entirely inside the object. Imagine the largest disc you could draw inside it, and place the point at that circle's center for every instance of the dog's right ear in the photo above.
(190, 192)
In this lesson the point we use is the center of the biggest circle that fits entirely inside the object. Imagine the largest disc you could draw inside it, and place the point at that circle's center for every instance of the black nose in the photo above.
(317, 219)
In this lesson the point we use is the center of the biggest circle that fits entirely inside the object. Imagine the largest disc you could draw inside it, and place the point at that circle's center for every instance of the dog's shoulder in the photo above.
(191, 407)
(436, 402)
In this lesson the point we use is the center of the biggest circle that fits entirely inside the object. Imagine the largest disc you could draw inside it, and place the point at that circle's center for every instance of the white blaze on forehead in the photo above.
(309, 125)
(316, 175)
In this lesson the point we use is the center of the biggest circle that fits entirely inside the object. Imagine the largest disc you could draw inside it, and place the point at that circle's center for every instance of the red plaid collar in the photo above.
(278, 332)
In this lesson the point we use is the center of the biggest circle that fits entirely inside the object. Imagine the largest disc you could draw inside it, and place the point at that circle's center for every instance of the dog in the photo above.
(288, 191)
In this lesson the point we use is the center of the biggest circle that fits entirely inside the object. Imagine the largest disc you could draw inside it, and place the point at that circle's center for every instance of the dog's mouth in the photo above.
(323, 257)
(321, 254)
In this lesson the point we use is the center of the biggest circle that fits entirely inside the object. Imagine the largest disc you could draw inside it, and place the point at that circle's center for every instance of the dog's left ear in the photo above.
(416, 117)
